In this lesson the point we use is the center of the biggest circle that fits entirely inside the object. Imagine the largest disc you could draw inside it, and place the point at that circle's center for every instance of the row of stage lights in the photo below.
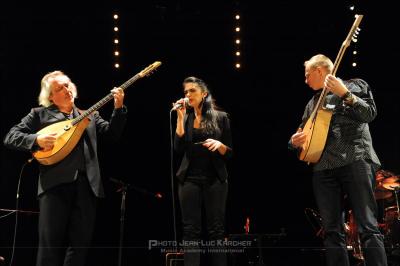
(116, 41)
(117, 52)
(354, 61)
(237, 42)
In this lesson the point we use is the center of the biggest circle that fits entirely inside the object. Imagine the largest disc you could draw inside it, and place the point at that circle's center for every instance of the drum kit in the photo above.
(387, 194)
(386, 184)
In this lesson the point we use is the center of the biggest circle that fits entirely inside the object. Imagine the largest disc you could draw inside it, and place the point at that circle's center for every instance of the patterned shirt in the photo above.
(349, 138)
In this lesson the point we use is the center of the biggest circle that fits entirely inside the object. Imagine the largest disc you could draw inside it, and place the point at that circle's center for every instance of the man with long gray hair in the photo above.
(68, 189)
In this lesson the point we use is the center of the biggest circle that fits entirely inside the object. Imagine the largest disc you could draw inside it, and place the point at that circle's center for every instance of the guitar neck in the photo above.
(351, 35)
(324, 92)
(103, 101)
(145, 72)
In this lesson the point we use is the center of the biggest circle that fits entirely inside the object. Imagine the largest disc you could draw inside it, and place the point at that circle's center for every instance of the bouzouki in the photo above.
(69, 132)
(317, 125)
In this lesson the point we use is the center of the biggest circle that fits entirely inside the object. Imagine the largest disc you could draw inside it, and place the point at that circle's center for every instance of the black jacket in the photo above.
(23, 135)
(183, 146)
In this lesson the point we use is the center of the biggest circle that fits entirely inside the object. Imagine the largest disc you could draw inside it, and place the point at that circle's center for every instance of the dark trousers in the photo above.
(66, 223)
(192, 196)
(357, 181)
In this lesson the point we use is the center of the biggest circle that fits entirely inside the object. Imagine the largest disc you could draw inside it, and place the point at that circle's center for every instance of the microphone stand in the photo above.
(124, 187)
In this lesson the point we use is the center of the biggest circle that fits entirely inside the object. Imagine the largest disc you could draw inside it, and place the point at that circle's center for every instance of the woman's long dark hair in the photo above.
(209, 111)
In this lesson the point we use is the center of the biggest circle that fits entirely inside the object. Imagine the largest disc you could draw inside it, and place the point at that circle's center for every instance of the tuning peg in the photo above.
(354, 39)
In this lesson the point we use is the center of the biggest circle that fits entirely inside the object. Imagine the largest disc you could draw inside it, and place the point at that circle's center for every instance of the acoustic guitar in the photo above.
(317, 125)
(69, 132)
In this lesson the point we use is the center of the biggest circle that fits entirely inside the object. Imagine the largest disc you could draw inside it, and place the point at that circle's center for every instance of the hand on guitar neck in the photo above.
(335, 85)
(118, 95)
(298, 138)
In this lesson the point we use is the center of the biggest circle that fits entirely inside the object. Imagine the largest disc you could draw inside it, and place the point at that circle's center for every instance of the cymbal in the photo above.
(382, 174)
(383, 194)
(390, 183)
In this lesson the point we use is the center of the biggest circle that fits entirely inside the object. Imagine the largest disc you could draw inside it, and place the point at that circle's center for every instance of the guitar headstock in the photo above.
(354, 31)
(150, 69)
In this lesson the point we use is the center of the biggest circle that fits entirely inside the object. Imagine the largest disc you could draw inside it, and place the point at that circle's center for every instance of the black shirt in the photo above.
(201, 166)
(78, 150)
(349, 138)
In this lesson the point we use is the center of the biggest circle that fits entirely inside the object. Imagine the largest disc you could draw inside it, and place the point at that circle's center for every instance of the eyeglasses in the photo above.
(308, 73)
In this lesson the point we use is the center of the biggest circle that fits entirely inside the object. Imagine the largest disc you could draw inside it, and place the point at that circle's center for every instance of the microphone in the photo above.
(179, 105)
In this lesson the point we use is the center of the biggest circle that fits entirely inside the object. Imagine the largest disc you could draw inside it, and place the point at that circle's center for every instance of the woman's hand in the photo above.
(181, 111)
(212, 144)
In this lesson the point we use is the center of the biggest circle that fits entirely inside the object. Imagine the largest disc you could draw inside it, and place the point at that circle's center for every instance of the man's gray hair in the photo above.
(45, 88)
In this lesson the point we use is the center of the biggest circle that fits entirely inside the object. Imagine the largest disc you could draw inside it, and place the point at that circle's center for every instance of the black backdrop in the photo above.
(265, 100)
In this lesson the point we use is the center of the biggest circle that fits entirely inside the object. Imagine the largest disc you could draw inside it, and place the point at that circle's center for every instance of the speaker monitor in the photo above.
(174, 259)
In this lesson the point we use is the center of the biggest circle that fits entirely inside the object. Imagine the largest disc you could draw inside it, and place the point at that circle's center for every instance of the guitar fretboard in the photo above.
(104, 100)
